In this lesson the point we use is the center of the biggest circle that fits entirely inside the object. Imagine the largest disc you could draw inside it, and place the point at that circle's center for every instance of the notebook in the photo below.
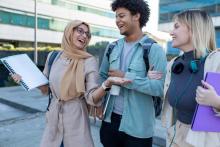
(204, 117)
(21, 64)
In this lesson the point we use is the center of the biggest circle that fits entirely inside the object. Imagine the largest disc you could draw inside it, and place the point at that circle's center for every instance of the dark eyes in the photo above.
(81, 32)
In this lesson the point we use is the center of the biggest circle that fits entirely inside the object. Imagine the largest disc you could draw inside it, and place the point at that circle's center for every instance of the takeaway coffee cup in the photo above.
(115, 90)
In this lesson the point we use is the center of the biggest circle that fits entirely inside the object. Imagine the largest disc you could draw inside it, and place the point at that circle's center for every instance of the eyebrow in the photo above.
(122, 13)
(84, 30)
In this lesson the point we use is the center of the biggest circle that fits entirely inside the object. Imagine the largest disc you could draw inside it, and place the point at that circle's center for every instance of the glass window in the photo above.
(4, 17)
(50, 24)
(73, 6)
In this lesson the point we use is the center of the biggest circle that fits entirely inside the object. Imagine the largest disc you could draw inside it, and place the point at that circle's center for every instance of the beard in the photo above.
(126, 33)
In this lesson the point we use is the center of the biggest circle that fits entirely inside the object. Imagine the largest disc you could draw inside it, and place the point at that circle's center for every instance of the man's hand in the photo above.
(116, 73)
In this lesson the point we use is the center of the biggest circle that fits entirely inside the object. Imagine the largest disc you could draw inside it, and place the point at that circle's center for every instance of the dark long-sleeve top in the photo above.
(183, 88)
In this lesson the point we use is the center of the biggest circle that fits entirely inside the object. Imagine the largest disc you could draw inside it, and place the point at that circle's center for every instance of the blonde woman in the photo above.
(194, 34)
(73, 83)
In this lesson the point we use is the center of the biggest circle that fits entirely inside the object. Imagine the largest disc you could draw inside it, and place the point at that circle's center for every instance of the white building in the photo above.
(17, 20)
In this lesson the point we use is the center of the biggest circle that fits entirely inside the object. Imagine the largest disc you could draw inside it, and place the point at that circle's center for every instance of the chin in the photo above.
(174, 45)
(124, 33)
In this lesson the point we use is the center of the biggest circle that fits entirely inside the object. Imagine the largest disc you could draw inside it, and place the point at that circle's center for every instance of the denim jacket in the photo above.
(138, 116)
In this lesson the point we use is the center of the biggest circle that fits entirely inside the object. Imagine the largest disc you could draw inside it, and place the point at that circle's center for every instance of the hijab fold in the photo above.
(73, 81)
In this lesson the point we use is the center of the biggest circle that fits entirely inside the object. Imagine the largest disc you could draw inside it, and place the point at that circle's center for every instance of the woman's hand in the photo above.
(16, 78)
(116, 81)
(44, 89)
(207, 96)
(154, 75)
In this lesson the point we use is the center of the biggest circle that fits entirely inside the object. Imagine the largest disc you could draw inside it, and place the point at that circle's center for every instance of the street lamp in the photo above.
(35, 33)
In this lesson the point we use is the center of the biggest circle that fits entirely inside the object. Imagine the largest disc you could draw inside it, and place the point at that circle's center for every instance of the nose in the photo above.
(171, 33)
(117, 20)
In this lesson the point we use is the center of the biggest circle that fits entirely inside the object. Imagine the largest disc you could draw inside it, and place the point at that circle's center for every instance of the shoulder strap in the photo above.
(51, 59)
(110, 48)
(50, 62)
(146, 49)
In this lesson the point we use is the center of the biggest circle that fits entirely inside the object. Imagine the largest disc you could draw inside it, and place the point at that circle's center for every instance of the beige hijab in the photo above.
(73, 82)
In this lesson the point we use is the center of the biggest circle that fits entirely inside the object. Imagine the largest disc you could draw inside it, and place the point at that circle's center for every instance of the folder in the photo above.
(205, 118)
(21, 64)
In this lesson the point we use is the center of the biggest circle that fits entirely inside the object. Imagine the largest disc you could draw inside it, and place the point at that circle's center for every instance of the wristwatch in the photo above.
(104, 87)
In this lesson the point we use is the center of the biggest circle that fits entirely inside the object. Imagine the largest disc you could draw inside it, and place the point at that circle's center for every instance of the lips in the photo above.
(82, 41)
(120, 26)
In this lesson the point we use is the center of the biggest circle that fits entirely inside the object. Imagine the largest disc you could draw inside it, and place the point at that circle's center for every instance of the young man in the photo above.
(130, 118)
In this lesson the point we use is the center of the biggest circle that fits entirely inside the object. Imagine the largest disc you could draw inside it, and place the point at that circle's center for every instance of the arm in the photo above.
(44, 88)
(146, 85)
(100, 92)
(94, 92)
(104, 68)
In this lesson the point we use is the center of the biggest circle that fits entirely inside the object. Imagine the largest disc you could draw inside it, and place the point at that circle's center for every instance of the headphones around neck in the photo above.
(193, 66)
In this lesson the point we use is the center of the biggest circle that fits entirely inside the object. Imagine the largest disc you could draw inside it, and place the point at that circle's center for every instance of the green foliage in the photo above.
(12, 48)
(8, 46)
(98, 49)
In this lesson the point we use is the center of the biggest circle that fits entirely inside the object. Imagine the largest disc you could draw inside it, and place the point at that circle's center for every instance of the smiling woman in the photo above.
(73, 84)
(70, 93)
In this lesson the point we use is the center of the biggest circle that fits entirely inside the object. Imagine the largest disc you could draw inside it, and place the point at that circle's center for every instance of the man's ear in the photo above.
(137, 16)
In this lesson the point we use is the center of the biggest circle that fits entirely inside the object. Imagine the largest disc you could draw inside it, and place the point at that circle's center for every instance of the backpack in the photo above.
(146, 50)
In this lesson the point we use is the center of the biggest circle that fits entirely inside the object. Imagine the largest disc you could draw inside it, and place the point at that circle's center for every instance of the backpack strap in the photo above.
(54, 54)
(110, 49)
(146, 49)
(51, 59)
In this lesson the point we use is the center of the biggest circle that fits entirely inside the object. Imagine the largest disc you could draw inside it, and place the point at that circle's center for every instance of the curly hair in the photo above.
(134, 6)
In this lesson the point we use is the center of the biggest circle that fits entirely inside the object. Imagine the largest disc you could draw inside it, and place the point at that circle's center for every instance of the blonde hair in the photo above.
(202, 28)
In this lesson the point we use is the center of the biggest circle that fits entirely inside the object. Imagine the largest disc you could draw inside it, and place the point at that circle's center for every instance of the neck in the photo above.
(188, 50)
(187, 47)
(136, 35)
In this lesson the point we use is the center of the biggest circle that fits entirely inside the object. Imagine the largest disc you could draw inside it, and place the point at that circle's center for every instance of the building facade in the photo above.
(17, 20)
(168, 8)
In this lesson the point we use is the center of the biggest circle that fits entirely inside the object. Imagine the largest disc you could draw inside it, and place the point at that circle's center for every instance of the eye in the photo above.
(88, 34)
(122, 15)
(176, 26)
(81, 31)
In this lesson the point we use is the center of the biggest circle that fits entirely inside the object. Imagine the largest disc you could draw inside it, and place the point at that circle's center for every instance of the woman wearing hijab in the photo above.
(73, 82)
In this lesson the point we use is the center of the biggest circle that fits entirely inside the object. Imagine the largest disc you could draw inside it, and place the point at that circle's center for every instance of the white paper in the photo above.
(21, 64)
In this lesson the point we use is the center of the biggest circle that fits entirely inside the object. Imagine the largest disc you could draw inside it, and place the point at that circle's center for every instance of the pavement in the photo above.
(22, 119)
